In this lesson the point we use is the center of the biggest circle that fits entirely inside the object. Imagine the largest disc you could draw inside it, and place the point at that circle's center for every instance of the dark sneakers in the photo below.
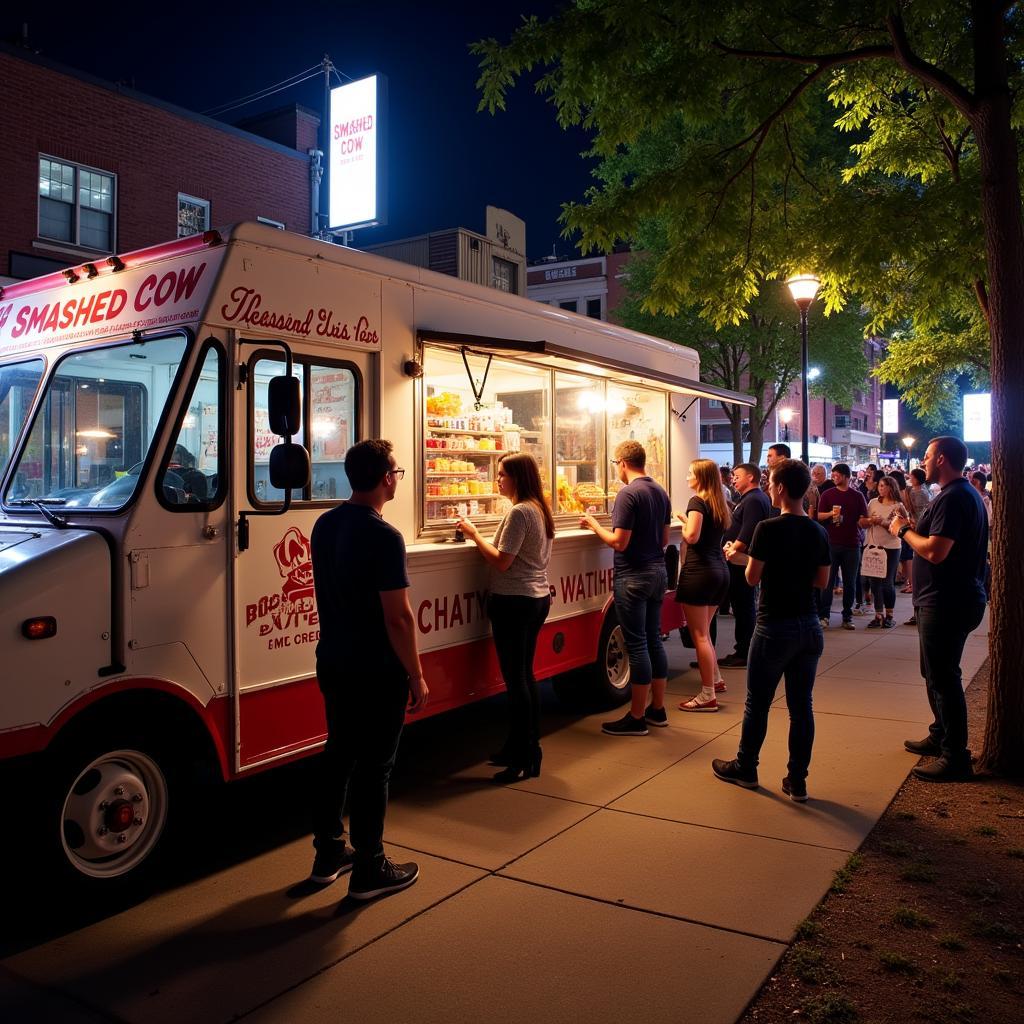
(333, 858)
(941, 770)
(385, 878)
(732, 661)
(730, 771)
(926, 747)
(795, 789)
(656, 716)
(627, 725)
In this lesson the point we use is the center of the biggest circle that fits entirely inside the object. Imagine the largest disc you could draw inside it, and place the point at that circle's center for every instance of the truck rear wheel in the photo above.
(606, 681)
(111, 804)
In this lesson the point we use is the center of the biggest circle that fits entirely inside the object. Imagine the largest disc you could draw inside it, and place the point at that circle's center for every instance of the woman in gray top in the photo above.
(519, 601)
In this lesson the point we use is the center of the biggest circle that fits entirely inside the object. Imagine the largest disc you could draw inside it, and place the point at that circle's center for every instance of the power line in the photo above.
(285, 83)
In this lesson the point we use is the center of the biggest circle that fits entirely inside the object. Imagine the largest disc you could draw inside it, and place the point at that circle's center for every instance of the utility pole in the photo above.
(325, 123)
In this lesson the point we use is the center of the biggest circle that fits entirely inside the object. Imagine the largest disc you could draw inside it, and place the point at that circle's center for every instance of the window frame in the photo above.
(195, 201)
(17, 439)
(305, 360)
(151, 456)
(222, 433)
(76, 205)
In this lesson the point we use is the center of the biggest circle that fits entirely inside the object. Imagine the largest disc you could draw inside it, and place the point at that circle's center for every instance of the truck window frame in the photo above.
(16, 442)
(222, 433)
(147, 463)
(304, 360)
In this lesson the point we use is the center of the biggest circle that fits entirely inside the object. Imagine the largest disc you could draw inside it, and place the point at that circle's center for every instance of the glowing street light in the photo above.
(786, 415)
(908, 443)
(803, 288)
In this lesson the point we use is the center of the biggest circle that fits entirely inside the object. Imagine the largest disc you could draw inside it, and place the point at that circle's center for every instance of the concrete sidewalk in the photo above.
(625, 883)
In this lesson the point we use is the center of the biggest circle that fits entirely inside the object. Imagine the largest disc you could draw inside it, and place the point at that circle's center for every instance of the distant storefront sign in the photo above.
(978, 417)
(890, 416)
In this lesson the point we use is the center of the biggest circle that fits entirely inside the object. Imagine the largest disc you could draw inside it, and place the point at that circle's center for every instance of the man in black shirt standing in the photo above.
(950, 543)
(751, 507)
(369, 672)
(789, 557)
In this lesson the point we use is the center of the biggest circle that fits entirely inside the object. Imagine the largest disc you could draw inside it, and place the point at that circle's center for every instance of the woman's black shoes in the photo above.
(520, 770)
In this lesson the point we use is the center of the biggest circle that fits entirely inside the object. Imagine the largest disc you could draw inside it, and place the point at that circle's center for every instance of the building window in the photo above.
(76, 205)
(570, 306)
(503, 275)
(193, 215)
(842, 420)
(594, 308)
(714, 403)
(270, 223)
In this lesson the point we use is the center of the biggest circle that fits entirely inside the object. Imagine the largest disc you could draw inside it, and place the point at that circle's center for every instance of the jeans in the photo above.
(365, 716)
(942, 633)
(847, 560)
(742, 598)
(639, 595)
(790, 648)
(884, 590)
(515, 624)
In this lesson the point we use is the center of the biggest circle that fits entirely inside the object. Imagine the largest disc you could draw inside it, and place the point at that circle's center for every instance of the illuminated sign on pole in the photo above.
(890, 415)
(978, 417)
(355, 164)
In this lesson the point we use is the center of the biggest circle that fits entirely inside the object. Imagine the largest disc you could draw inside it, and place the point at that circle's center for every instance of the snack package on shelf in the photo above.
(566, 499)
(447, 403)
(586, 493)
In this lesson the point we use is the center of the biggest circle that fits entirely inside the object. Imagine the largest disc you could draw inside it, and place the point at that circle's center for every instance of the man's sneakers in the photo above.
(627, 725)
(795, 789)
(823, 622)
(926, 747)
(699, 703)
(333, 858)
(657, 717)
(847, 624)
(941, 770)
(382, 879)
(730, 771)
(733, 661)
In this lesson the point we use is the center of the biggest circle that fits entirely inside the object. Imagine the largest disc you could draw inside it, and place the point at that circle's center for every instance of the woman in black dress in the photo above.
(704, 577)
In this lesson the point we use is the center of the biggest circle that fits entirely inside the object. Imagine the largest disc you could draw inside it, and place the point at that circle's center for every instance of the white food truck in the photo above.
(157, 610)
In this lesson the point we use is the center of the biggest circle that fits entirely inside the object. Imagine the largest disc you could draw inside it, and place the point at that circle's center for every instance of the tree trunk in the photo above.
(1003, 749)
(737, 439)
(756, 434)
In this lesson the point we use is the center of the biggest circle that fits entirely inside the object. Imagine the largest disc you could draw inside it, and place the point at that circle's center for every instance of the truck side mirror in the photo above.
(289, 465)
(283, 406)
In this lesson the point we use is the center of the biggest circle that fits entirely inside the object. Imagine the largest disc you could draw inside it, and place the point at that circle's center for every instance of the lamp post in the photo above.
(786, 415)
(803, 288)
(908, 443)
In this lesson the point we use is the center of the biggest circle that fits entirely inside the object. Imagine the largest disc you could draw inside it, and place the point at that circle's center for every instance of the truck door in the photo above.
(277, 703)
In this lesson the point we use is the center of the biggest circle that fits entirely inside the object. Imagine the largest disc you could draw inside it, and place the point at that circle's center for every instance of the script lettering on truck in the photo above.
(288, 617)
(246, 306)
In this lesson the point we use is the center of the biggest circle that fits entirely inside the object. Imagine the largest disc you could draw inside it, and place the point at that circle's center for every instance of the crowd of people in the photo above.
(774, 545)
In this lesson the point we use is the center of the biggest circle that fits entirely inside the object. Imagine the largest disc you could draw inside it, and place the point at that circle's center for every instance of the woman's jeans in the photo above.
(846, 560)
(884, 590)
(790, 648)
(639, 595)
(515, 625)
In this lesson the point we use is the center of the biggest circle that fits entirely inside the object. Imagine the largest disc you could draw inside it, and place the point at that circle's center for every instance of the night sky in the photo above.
(446, 162)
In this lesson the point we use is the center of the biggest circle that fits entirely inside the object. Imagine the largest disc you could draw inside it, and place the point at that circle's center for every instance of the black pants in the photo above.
(365, 716)
(942, 633)
(741, 597)
(515, 624)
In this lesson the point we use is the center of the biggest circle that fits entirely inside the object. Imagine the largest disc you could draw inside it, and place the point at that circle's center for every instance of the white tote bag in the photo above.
(874, 562)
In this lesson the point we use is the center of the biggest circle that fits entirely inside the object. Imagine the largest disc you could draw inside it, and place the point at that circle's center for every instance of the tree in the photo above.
(760, 355)
(924, 210)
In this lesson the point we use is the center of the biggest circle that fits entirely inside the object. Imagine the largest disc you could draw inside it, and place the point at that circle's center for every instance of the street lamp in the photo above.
(803, 288)
(786, 415)
(908, 443)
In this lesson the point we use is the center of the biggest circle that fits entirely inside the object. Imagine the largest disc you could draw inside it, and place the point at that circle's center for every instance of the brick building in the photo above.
(89, 168)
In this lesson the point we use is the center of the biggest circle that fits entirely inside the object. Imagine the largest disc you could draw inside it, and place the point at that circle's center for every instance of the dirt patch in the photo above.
(926, 922)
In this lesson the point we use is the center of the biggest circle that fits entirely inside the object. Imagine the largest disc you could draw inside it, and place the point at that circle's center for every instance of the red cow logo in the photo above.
(295, 563)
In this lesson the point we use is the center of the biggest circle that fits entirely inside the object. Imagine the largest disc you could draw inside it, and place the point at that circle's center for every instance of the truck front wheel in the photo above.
(112, 805)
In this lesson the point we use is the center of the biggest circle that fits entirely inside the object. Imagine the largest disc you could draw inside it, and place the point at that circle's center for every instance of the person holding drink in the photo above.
(519, 602)
(839, 511)
(881, 511)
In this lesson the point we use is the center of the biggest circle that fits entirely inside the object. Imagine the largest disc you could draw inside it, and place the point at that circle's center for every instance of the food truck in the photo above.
(157, 496)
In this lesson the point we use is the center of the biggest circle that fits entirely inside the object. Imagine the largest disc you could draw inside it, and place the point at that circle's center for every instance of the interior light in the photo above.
(616, 406)
(103, 435)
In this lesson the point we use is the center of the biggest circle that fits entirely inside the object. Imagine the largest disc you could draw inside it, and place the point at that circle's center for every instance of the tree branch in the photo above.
(982, 295)
(945, 83)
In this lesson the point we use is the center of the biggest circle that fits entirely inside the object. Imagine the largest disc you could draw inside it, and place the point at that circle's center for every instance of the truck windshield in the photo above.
(18, 383)
(95, 425)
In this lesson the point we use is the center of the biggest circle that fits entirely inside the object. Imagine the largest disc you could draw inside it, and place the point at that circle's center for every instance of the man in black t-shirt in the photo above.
(751, 507)
(369, 672)
(950, 543)
(789, 557)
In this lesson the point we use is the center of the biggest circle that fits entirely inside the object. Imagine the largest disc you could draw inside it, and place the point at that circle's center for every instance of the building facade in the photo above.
(591, 286)
(89, 168)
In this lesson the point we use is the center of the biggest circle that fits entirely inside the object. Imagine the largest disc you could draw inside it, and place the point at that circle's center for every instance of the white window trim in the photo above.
(196, 201)
(270, 222)
(113, 216)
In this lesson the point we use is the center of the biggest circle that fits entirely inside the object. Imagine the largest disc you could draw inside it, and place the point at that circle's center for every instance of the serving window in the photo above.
(477, 407)
(472, 419)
